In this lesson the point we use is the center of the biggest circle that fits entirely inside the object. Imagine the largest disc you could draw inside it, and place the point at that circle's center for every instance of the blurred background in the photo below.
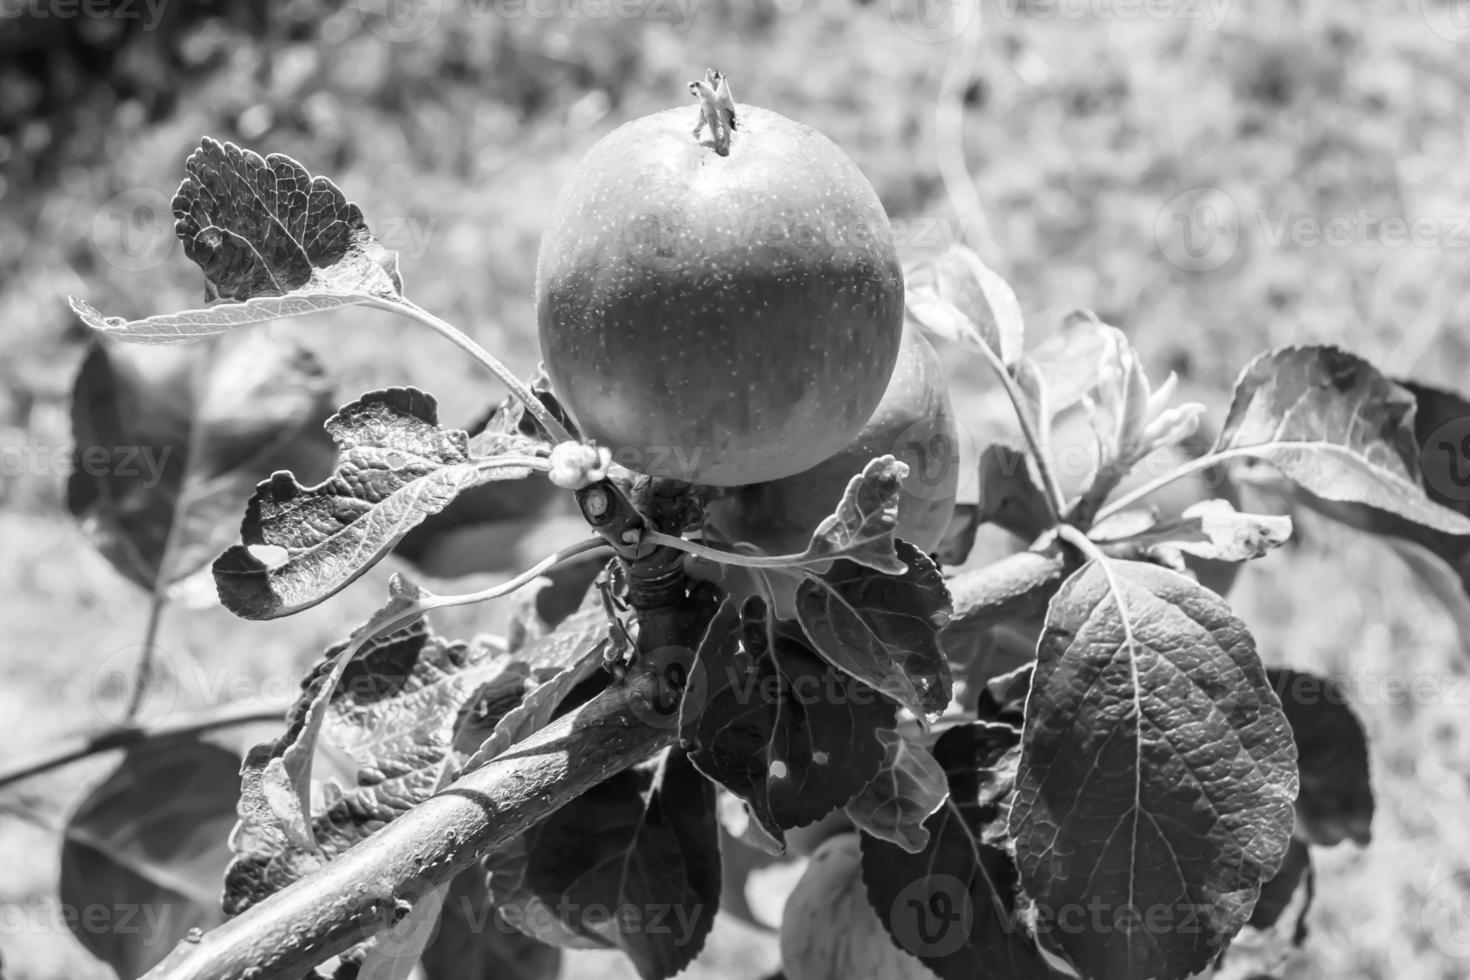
(1215, 177)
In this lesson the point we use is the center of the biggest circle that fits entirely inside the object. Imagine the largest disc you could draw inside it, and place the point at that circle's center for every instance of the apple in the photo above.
(723, 318)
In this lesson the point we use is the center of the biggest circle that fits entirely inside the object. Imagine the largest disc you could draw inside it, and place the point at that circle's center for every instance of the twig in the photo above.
(375, 884)
(82, 746)
(143, 675)
(458, 338)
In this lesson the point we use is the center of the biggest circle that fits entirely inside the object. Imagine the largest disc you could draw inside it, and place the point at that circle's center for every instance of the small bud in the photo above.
(574, 465)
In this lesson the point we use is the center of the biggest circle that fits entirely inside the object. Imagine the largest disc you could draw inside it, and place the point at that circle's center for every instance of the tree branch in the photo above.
(82, 746)
(374, 885)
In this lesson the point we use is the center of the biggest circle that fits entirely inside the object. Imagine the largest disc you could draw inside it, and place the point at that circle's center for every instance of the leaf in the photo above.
(487, 527)
(764, 716)
(169, 446)
(1212, 529)
(189, 326)
(954, 903)
(474, 943)
(908, 788)
(1069, 360)
(959, 539)
(861, 529)
(1009, 497)
(1441, 428)
(883, 629)
(271, 238)
(1277, 894)
(396, 466)
(266, 227)
(1336, 799)
(407, 708)
(1156, 777)
(1002, 700)
(1334, 424)
(956, 297)
(633, 864)
(559, 661)
(146, 849)
(1442, 433)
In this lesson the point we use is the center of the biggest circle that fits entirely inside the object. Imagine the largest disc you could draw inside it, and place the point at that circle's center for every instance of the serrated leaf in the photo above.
(169, 446)
(1336, 799)
(908, 788)
(1333, 423)
(1157, 773)
(396, 466)
(146, 848)
(406, 707)
(883, 629)
(764, 716)
(474, 943)
(271, 238)
(264, 226)
(1209, 529)
(958, 298)
(954, 903)
(633, 864)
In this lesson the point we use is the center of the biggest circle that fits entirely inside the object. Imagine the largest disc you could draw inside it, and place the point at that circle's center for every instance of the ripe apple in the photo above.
(721, 318)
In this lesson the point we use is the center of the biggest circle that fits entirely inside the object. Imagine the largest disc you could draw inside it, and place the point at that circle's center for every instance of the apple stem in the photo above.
(716, 109)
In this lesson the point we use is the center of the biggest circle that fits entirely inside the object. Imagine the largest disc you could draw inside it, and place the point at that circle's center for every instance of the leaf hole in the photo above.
(270, 555)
